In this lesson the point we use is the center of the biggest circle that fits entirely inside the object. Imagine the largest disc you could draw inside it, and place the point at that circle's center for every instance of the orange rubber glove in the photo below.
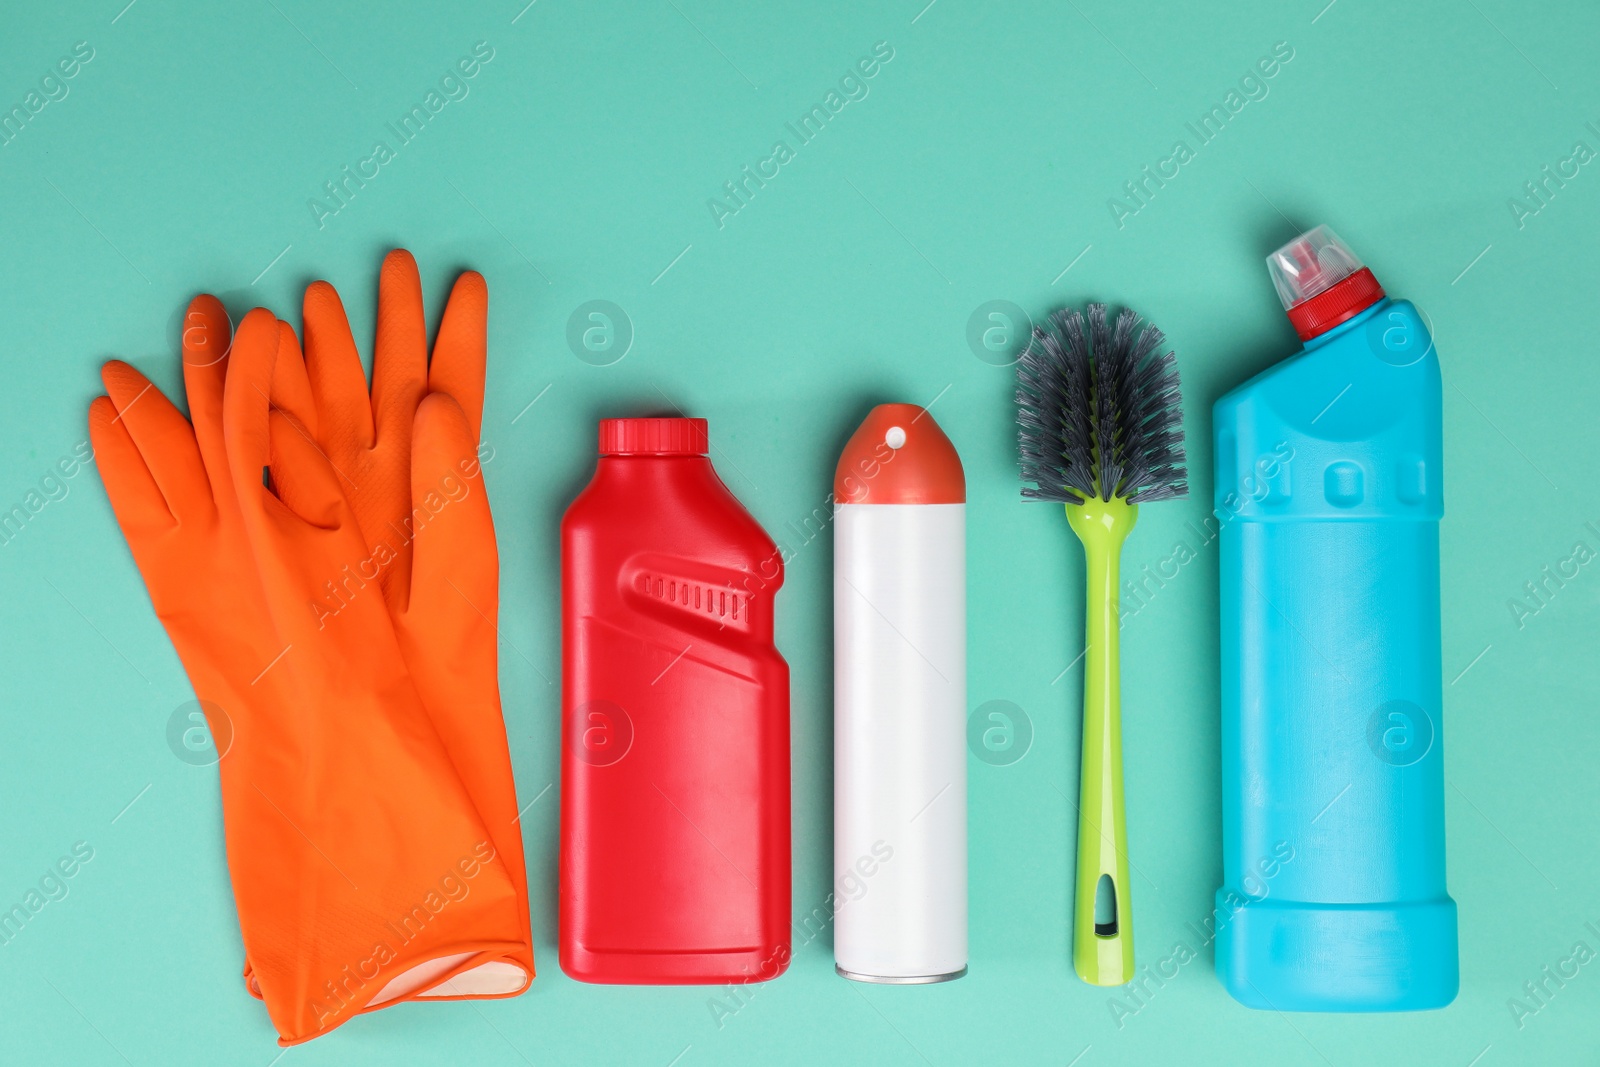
(407, 457)
(361, 871)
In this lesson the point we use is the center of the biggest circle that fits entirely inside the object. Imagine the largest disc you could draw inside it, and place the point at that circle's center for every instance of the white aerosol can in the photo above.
(899, 704)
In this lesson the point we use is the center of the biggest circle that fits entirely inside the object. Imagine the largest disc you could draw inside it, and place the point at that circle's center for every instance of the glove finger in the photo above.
(246, 403)
(302, 478)
(333, 367)
(140, 508)
(291, 394)
(207, 336)
(460, 350)
(164, 438)
(300, 473)
(291, 385)
(455, 566)
(400, 358)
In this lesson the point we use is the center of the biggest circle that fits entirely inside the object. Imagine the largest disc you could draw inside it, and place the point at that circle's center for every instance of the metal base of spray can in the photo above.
(919, 979)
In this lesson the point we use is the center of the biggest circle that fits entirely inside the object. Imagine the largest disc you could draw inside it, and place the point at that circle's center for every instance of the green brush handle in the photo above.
(1104, 959)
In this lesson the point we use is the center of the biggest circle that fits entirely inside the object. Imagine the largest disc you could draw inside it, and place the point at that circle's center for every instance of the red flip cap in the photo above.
(899, 455)
(1321, 282)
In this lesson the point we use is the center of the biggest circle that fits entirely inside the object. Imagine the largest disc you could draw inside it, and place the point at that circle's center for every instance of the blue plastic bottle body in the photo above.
(1329, 497)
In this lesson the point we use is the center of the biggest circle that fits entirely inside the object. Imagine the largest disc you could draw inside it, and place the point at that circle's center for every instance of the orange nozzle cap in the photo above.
(899, 455)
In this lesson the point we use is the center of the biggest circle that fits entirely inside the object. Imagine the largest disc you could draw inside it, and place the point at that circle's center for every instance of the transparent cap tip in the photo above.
(1310, 264)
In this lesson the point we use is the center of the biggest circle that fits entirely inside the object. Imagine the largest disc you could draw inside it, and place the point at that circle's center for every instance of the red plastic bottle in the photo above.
(675, 722)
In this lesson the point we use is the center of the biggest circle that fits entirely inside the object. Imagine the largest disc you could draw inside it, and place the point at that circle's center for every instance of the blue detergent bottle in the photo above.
(1328, 493)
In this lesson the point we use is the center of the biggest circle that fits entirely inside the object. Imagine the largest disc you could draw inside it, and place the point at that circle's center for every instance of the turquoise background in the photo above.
(978, 167)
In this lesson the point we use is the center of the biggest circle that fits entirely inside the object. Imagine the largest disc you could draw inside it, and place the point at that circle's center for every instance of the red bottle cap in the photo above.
(899, 455)
(1330, 307)
(1321, 282)
(654, 437)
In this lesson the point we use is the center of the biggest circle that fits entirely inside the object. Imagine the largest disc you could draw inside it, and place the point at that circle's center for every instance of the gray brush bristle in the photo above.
(1099, 411)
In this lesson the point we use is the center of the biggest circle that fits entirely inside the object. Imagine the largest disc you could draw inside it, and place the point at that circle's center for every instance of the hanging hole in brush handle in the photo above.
(1105, 907)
